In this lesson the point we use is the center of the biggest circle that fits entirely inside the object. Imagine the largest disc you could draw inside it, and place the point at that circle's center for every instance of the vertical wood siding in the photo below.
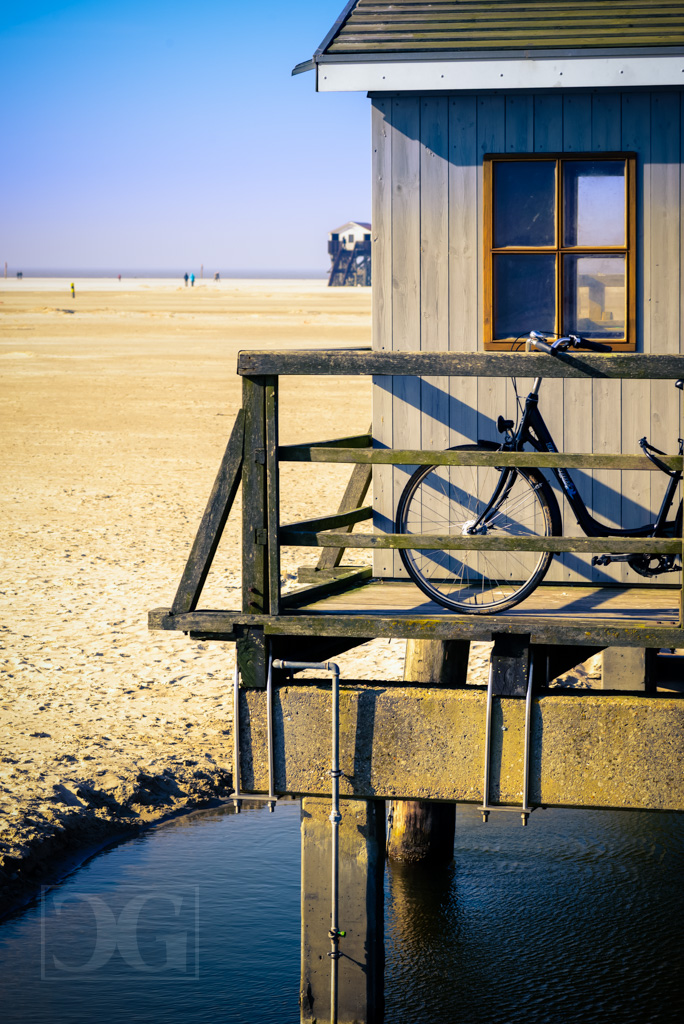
(428, 283)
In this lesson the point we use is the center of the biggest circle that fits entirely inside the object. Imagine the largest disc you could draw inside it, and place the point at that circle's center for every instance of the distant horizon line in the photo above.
(137, 272)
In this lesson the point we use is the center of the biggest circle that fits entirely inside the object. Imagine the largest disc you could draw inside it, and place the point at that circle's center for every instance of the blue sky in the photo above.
(165, 135)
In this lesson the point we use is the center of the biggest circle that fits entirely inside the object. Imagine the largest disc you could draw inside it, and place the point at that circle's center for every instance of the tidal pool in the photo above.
(576, 919)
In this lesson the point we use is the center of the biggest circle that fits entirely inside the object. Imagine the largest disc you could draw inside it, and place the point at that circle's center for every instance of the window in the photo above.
(560, 247)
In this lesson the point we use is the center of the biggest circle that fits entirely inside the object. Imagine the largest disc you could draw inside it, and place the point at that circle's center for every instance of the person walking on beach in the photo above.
(185, 278)
(73, 290)
(192, 280)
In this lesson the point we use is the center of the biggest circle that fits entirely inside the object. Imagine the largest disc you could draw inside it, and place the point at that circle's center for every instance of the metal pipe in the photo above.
(335, 821)
(335, 817)
(488, 732)
(269, 725)
(526, 811)
(236, 736)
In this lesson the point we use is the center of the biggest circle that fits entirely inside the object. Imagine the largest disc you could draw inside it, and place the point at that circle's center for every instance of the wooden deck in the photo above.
(619, 605)
(344, 607)
(574, 615)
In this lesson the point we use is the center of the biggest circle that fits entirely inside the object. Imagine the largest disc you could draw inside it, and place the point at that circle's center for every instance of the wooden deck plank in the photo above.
(596, 629)
(623, 603)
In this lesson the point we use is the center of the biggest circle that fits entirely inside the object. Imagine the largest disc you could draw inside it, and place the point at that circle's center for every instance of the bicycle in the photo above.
(478, 501)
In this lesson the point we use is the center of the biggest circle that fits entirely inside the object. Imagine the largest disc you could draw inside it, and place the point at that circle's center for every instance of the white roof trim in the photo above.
(530, 73)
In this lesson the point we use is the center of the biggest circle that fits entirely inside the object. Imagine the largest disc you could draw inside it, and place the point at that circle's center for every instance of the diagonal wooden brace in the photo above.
(353, 497)
(213, 522)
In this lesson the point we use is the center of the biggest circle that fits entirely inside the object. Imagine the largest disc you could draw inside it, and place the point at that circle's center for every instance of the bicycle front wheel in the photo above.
(448, 500)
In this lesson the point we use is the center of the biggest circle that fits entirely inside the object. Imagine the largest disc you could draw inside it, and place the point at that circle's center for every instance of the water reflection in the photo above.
(577, 921)
(577, 918)
(245, 871)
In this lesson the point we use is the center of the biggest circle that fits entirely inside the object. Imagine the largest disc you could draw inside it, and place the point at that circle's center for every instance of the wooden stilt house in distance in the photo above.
(527, 174)
(349, 248)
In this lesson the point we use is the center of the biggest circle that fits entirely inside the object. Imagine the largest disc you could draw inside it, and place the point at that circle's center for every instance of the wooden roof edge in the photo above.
(354, 19)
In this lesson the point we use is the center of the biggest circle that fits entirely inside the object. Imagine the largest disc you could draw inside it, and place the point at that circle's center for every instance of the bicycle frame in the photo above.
(533, 430)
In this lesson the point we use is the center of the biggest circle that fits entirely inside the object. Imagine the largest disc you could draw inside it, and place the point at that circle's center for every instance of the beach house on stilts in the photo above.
(527, 166)
(528, 173)
(349, 248)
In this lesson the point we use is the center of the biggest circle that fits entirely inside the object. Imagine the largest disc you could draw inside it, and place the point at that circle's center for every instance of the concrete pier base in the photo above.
(362, 861)
(588, 749)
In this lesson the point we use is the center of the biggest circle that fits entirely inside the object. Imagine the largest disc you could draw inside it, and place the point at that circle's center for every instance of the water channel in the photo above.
(577, 918)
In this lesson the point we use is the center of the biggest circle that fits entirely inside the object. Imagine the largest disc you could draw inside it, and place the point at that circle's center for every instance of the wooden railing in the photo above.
(253, 455)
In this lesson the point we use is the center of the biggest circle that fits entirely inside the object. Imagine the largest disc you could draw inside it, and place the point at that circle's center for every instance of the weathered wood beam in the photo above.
(603, 631)
(254, 566)
(587, 750)
(452, 542)
(323, 362)
(354, 441)
(510, 665)
(338, 585)
(307, 574)
(272, 495)
(453, 457)
(335, 521)
(252, 658)
(354, 496)
(213, 521)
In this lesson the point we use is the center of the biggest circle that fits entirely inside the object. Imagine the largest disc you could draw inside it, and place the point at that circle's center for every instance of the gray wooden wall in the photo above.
(427, 285)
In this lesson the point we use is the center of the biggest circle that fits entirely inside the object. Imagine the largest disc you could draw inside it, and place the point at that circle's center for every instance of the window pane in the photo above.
(524, 294)
(594, 202)
(524, 202)
(594, 296)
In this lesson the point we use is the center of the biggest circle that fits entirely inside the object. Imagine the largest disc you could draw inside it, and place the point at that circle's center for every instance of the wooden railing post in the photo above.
(254, 538)
(272, 496)
(259, 404)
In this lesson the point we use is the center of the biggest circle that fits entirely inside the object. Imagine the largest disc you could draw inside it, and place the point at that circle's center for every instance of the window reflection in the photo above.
(525, 294)
(524, 203)
(594, 202)
(594, 296)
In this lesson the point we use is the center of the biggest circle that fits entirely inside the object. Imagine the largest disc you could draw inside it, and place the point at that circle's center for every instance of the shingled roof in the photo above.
(371, 26)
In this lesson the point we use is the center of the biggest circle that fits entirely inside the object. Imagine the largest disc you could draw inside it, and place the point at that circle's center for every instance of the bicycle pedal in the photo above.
(608, 559)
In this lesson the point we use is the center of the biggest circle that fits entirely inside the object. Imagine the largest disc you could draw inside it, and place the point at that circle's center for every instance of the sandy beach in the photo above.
(116, 407)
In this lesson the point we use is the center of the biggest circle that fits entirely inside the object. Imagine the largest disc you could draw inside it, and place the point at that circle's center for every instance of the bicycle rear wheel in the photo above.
(445, 500)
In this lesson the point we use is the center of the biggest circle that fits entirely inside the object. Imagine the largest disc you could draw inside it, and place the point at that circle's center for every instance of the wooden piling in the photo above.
(422, 830)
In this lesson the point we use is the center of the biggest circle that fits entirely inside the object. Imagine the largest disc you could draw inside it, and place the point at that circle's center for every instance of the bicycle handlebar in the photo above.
(563, 344)
(540, 343)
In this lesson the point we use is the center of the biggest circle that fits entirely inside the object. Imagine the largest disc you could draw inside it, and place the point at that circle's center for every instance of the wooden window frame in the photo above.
(629, 250)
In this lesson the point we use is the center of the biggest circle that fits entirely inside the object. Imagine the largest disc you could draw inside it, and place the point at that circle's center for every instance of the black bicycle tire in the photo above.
(551, 514)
